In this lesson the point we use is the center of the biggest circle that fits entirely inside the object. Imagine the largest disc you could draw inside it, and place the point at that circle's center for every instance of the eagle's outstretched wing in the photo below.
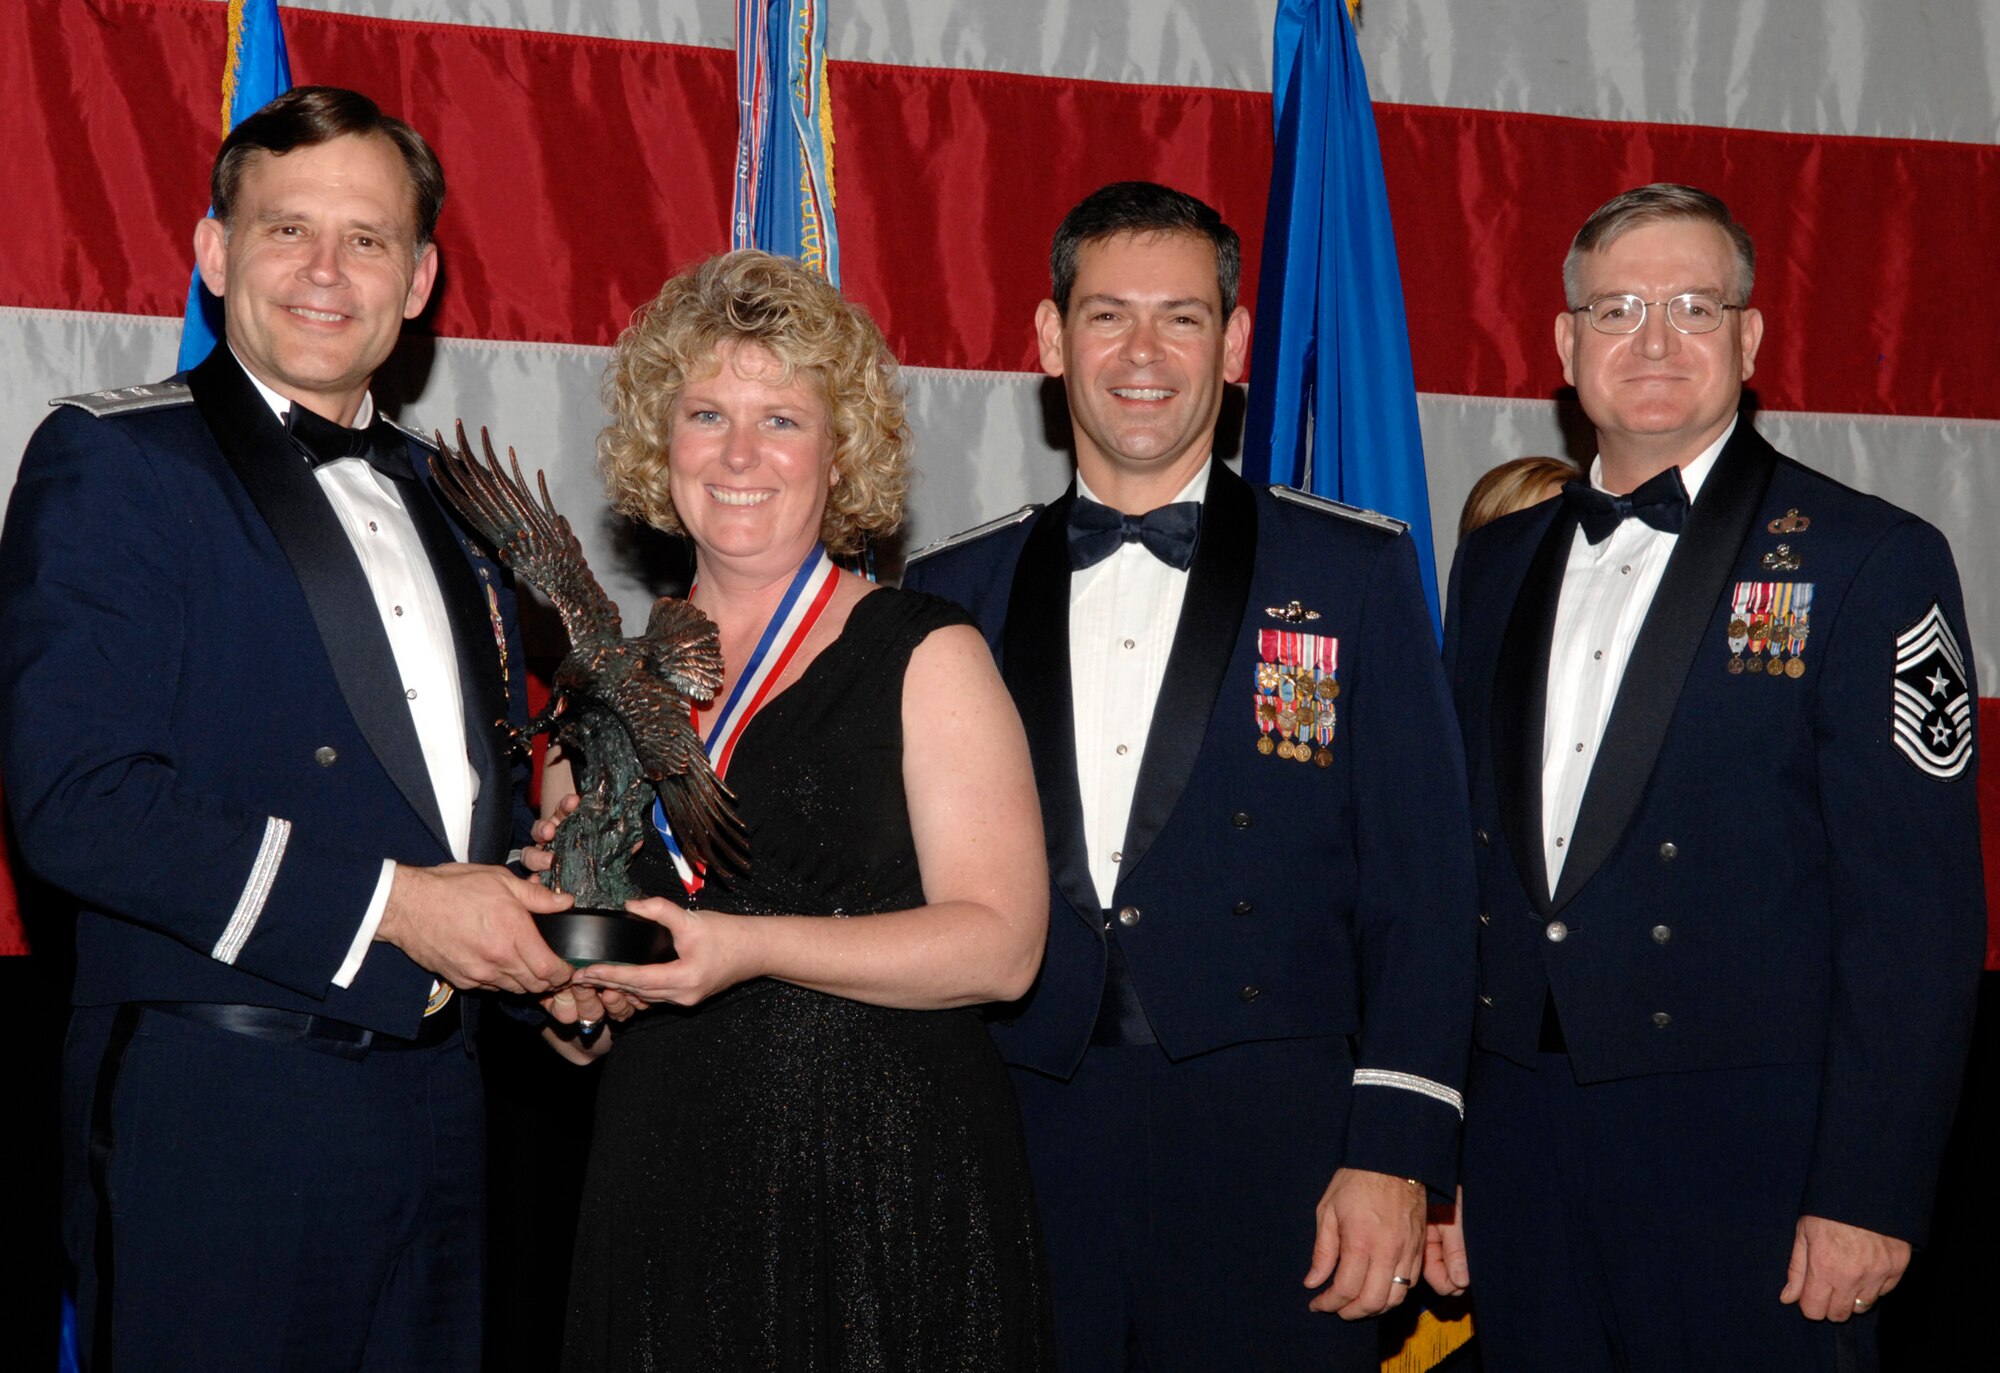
(532, 539)
(683, 665)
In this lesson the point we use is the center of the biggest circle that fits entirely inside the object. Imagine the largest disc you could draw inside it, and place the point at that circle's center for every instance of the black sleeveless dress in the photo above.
(782, 1179)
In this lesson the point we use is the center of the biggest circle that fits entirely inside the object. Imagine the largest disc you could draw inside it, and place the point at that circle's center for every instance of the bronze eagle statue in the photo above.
(621, 709)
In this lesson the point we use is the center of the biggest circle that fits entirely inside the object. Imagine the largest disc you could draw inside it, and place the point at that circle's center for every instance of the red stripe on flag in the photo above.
(13, 931)
(583, 171)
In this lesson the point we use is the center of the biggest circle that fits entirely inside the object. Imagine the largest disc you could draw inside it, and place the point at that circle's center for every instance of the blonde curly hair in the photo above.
(809, 327)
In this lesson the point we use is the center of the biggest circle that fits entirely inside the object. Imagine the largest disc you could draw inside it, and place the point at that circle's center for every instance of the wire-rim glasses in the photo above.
(1691, 312)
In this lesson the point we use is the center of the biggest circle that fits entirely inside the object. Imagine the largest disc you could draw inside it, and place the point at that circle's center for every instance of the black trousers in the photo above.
(270, 1206)
(1177, 1204)
(1642, 1225)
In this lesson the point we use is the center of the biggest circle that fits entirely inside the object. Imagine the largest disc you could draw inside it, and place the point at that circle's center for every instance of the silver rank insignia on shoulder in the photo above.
(1292, 495)
(1770, 621)
(978, 531)
(1933, 708)
(428, 442)
(129, 400)
(1291, 612)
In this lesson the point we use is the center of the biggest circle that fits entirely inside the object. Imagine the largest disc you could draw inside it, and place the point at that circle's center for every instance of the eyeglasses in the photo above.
(1692, 313)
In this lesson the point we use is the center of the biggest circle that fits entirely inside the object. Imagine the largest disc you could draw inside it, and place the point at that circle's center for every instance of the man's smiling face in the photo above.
(318, 268)
(1143, 352)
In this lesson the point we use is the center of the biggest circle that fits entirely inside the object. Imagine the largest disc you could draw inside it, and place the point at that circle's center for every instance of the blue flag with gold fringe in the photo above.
(255, 72)
(1333, 399)
(784, 144)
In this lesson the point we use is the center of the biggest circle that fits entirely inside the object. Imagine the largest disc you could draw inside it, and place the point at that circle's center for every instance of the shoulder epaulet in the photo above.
(424, 440)
(978, 531)
(129, 400)
(1345, 511)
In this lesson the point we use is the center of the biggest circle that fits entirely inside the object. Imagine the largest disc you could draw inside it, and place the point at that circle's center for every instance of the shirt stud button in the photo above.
(411, 694)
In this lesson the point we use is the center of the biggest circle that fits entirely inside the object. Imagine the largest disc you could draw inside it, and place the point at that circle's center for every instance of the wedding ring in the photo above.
(1860, 1305)
(1405, 1282)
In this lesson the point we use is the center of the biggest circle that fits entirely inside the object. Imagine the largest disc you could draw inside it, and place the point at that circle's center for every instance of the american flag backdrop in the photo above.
(590, 151)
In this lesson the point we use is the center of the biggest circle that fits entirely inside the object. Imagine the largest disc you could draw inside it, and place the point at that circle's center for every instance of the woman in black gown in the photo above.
(806, 1153)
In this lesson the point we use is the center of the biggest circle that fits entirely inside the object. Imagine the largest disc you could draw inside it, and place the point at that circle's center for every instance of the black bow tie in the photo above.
(323, 441)
(1096, 531)
(1661, 502)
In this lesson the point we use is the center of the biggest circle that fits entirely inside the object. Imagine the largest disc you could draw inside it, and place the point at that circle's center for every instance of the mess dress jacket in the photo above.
(1276, 899)
(204, 737)
(1768, 867)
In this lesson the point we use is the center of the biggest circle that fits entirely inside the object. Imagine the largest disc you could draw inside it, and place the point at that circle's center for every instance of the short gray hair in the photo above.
(1654, 204)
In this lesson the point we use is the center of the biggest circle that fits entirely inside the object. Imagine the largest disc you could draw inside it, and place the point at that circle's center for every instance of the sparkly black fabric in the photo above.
(782, 1179)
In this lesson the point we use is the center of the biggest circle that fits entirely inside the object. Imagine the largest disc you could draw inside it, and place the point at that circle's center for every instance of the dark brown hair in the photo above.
(306, 116)
(1142, 207)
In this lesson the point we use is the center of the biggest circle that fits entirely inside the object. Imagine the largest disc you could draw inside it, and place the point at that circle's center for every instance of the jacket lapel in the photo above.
(282, 487)
(1211, 619)
(481, 687)
(1520, 704)
(1035, 664)
(1669, 639)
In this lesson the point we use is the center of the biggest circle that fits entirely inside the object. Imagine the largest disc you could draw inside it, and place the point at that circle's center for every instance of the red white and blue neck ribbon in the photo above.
(805, 600)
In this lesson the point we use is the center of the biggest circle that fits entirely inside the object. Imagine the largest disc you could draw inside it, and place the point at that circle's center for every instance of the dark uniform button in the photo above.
(1481, 836)
(1128, 916)
(1241, 819)
(1662, 1019)
(1556, 931)
(1241, 908)
(1485, 1000)
(1661, 934)
(1669, 851)
(1485, 919)
(1251, 993)
(325, 756)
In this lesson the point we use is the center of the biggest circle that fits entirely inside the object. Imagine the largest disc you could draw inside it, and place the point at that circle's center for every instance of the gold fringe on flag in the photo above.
(1430, 1344)
(233, 62)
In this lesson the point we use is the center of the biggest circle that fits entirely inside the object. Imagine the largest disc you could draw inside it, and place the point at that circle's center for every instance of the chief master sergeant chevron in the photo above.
(1239, 1070)
(251, 681)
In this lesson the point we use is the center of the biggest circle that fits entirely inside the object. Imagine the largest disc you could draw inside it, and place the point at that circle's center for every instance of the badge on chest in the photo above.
(1296, 696)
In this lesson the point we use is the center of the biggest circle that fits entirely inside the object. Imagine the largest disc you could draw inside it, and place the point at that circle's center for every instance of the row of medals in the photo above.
(1778, 632)
(1311, 706)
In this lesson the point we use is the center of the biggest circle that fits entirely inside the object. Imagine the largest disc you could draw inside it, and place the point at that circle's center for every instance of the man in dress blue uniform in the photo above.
(1239, 1070)
(1718, 717)
(253, 686)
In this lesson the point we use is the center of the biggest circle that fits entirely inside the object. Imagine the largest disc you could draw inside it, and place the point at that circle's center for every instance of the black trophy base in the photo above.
(582, 936)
